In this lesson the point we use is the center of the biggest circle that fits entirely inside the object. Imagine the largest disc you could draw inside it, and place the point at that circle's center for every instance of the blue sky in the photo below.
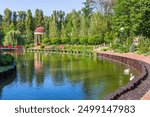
(46, 5)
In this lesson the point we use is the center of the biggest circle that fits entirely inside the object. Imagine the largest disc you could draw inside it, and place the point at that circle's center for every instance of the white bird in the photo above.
(126, 71)
(131, 76)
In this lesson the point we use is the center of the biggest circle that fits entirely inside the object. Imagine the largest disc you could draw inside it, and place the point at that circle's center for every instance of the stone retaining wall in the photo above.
(136, 64)
(5, 74)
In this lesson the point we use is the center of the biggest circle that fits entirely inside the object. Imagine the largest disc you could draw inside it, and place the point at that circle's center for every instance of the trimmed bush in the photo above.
(65, 40)
(46, 41)
(94, 40)
(83, 40)
(74, 40)
(55, 40)
(6, 59)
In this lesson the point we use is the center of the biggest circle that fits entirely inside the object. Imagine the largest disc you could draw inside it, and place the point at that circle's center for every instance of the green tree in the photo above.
(7, 20)
(14, 19)
(54, 26)
(144, 23)
(46, 26)
(132, 16)
(85, 18)
(38, 18)
(1, 31)
(75, 27)
(29, 27)
(12, 38)
(98, 24)
(21, 22)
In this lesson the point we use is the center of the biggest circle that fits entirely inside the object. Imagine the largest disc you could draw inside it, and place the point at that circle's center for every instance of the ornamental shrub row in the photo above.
(93, 40)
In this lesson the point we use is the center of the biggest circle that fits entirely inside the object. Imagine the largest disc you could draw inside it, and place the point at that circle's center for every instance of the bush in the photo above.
(6, 59)
(83, 40)
(108, 37)
(144, 46)
(46, 41)
(74, 40)
(65, 40)
(94, 40)
(55, 40)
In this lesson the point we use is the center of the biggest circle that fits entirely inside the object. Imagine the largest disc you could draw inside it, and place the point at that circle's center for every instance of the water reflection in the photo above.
(6, 81)
(60, 76)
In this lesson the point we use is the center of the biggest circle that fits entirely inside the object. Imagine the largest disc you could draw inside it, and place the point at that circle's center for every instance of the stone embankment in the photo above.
(140, 85)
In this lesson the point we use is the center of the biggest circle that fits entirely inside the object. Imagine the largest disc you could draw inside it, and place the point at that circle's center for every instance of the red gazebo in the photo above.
(38, 35)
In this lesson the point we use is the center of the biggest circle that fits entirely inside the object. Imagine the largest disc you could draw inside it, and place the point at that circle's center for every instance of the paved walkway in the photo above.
(144, 84)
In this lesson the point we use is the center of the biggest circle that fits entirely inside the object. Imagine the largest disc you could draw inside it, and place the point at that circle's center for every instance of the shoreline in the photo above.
(5, 73)
(137, 88)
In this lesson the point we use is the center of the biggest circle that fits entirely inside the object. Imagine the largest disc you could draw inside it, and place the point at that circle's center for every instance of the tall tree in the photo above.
(85, 18)
(46, 26)
(133, 21)
(29, 26)
(54, 26)
(38, 18)
(21, 22)
(98, 24)
(1, 32)
(75, 26)
(14, 19)
(7, 20)
(144, 24)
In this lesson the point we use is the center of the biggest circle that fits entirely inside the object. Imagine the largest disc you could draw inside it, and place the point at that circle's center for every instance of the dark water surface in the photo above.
(62, 77)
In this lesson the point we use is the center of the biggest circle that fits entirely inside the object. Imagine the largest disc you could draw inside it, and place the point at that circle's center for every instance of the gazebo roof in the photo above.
(39, 30)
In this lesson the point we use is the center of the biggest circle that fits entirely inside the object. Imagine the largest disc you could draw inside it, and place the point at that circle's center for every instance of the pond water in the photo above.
(46, 76)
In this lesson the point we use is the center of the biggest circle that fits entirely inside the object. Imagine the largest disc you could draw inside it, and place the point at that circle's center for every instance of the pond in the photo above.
(47, 76)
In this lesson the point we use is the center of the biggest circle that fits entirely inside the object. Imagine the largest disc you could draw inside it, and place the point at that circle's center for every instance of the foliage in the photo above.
(144, 46)
(116, 22)
(55, 40)
(6, 59)
(83, 40)
(95, 40)
(46, 41)
(65, 40)
(13, 38)
(108, 37)
(6, 20)
(29, 26)
(134, 21)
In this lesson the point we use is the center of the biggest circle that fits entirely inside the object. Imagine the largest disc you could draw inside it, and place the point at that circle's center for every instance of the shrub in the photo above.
(6, 59)
(144, 46)
(55, 40)
(83, 40)
(46, 41)
(74, 40)
(65, 40)
(95, 40)
(108, 37)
